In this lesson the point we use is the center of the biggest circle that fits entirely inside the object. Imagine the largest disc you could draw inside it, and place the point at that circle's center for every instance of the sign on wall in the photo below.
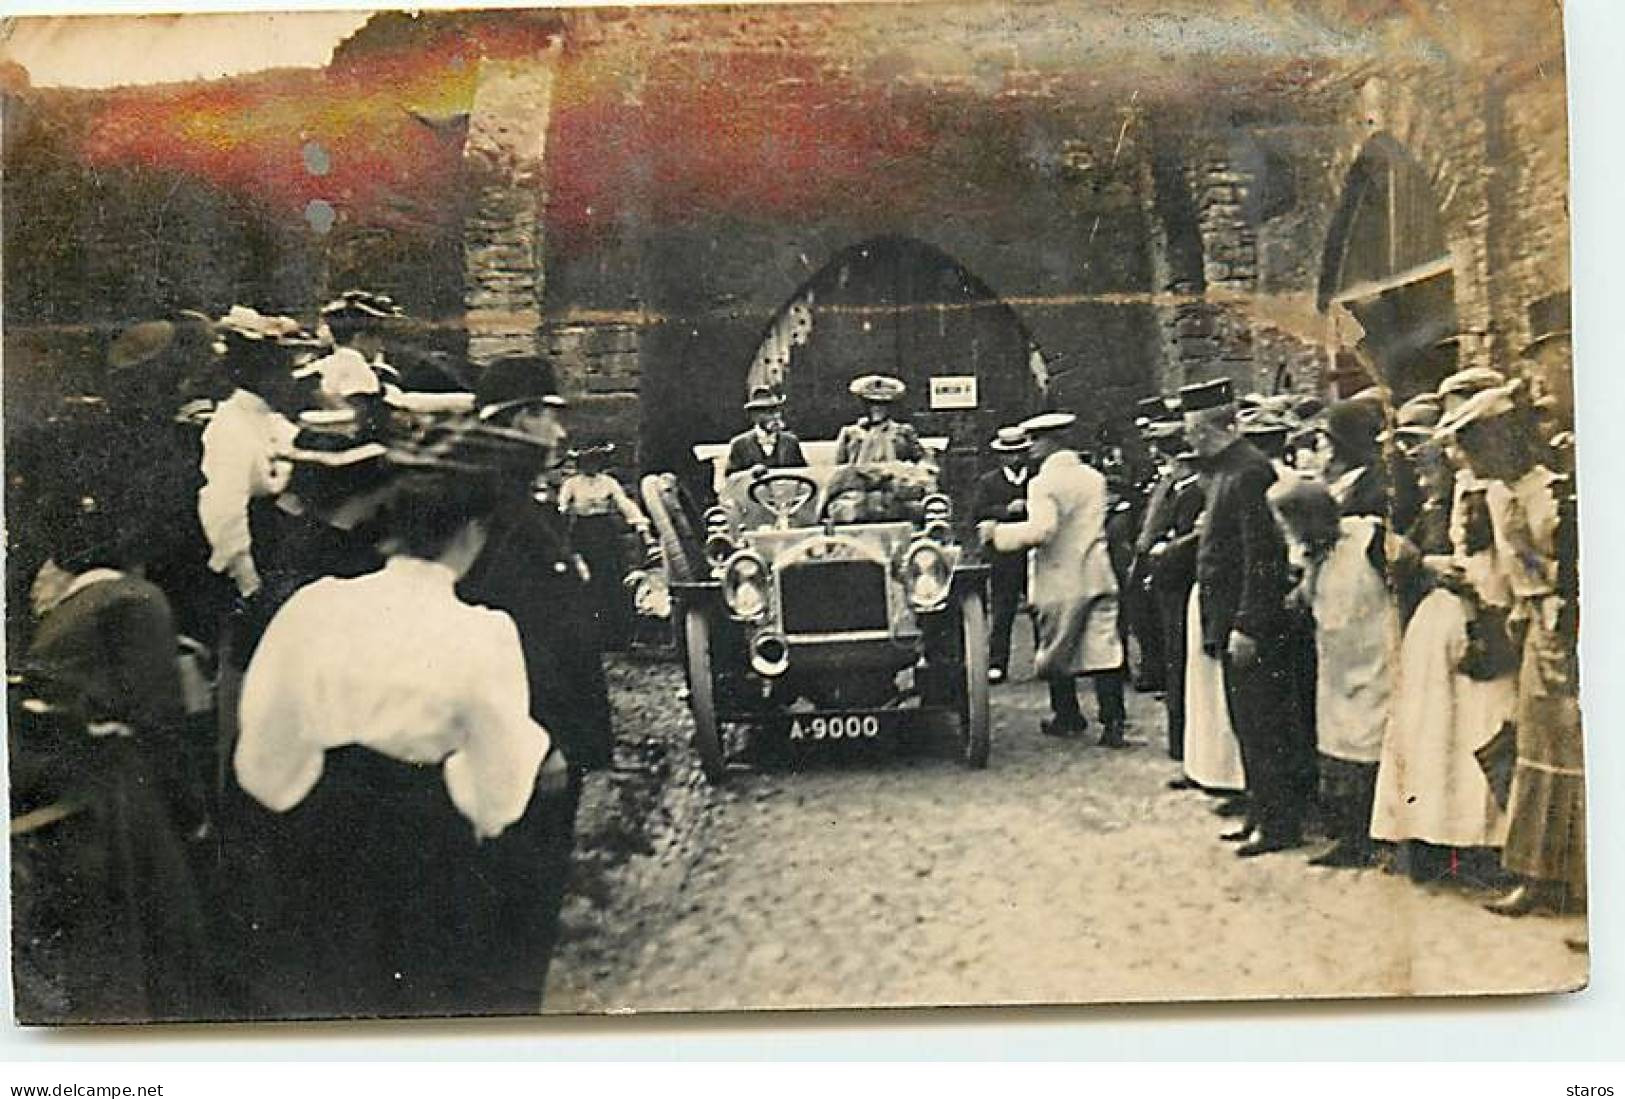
(953, 391)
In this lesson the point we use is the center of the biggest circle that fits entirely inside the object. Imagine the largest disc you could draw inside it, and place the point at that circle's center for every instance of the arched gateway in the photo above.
(897, 305)
(1388, 263)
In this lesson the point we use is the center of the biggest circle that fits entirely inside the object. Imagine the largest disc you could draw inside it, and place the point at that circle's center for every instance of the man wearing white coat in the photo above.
(1071, 585)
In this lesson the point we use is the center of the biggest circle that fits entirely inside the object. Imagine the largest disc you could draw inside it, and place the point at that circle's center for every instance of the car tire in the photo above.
(679, 548)
(976, 733)
(702, 694)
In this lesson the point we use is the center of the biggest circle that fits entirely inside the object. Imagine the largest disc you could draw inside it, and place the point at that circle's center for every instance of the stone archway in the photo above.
(898, 305)
(1387, 262)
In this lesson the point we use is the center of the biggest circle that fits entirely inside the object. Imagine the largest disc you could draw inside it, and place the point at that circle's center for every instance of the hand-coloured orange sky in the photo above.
(650, 122)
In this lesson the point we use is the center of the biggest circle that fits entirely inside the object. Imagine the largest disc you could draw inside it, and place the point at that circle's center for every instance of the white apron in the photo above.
(1212, 752)
(1356, 639)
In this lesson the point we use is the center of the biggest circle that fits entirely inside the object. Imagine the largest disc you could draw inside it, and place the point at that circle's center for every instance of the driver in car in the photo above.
(875, 436)
(767, 444)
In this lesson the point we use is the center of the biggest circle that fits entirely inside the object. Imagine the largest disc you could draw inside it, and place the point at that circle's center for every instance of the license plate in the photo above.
(853, 727)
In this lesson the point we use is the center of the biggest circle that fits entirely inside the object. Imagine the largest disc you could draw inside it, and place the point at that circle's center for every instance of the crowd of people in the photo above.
(1361, 616)
(313, 677)
(314, 670)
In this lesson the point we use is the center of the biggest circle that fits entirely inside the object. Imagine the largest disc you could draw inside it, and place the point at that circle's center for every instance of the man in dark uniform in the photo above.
(1001, 494)
(1159, 426)
(1241, 565)
(529, 570)
(767, 443)
(1171, 571)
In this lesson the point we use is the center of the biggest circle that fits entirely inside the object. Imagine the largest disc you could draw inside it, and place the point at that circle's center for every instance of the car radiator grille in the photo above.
(833, 597)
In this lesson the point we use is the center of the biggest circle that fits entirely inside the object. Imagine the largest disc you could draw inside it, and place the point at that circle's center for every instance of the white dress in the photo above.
(1356, 636)
(1212, 752)
(1430, 786)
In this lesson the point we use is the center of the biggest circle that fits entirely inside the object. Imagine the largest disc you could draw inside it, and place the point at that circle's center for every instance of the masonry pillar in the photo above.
(502, 233)
(1222, 188)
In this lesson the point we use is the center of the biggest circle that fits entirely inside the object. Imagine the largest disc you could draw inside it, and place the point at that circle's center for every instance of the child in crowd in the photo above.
(1356, 633)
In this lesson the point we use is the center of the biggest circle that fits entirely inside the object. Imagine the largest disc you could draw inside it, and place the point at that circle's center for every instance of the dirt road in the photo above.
(1064, 872)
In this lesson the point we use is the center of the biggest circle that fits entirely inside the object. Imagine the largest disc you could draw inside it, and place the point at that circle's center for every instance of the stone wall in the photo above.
(1142, 246)
(505, 153)
(1529, 201)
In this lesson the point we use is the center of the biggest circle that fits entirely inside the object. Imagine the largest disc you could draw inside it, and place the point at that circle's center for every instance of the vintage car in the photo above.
(825, 604)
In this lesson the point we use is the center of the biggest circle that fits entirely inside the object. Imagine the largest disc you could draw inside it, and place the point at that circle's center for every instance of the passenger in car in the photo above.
(876, 436)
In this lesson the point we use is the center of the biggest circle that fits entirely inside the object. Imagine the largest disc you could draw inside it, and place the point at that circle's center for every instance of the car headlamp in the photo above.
(718, 548)
(927, 576)
(744, 586)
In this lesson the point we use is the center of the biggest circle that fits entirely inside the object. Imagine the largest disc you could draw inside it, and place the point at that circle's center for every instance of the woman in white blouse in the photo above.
(597, 510)
(388, 725)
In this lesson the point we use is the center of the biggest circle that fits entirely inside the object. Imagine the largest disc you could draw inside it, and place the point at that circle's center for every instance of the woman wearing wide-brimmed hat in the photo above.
(1451, 702)
(876, 436)
(1546, 833)
(388, 740)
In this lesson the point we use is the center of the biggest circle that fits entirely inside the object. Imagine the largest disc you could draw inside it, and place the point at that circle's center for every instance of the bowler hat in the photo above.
(1354, 425)
(763, 397)
(515, 381)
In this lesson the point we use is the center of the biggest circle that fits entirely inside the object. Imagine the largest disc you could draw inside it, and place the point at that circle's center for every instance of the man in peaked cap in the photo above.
(1163, 431)
(767, 444)
(1149, 411)
(1001, 494)
(1071, 583)
(1241, 569)
(876, 436)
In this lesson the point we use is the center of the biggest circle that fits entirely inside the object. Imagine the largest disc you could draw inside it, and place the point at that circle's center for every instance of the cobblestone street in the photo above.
(1064, 872)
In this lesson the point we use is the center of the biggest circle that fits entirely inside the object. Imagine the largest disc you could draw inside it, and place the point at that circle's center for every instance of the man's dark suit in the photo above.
(1241, 566)
(994, 494)
(528, 570)
(745, 451)
(1139, 609)
(1171, 570)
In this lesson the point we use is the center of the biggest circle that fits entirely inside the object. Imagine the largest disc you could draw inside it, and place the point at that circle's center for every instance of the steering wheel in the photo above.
(782, 506)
